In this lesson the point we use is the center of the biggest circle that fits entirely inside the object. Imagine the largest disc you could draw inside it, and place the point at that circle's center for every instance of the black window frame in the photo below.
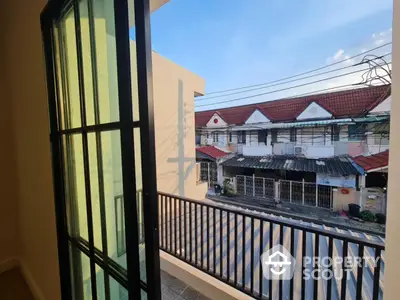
(262, 136)
(274, 136)
(69, 244)
(358, 134)
(293, 135)
(241, 137)
(335, 133)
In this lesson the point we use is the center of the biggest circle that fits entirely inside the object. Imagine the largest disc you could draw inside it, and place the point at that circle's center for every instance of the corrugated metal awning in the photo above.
(335, 166)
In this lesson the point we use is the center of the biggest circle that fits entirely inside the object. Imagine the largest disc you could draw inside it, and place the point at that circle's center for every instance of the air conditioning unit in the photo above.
(298, 150)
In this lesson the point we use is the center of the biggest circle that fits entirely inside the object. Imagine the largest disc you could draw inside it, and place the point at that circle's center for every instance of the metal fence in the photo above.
(208, 173)
(227, 242)
(255, 186)
(296, 192)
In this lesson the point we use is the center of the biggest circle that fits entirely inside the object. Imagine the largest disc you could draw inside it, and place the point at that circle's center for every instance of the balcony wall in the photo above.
(318, 151)
(310, 151)
(257, 150)
(352, 148)
(392, 287)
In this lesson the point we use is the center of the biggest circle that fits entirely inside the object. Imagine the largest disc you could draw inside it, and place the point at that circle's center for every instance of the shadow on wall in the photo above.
(182, 172)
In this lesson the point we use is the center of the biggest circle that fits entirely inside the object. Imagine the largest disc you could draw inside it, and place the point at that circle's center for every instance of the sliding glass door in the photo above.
(102, 139)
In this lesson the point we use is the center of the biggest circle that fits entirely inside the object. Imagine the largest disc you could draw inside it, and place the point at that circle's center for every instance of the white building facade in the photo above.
(317, 130)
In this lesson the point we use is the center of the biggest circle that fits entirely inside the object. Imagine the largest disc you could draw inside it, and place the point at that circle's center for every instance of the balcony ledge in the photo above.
(202, 282)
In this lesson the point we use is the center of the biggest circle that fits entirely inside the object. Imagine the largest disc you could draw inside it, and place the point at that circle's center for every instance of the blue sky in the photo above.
(243, 42)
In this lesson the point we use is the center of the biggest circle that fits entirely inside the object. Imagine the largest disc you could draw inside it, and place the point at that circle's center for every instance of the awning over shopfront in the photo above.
(374, 162)
(335, 166)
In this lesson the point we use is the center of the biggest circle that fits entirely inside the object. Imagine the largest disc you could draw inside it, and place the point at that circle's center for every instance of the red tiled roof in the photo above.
(212, 151)
(340, 104)
(371, 162)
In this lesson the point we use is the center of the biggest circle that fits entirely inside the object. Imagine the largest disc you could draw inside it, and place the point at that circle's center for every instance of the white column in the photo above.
(362, 179)
(220, 174)
(208, 174)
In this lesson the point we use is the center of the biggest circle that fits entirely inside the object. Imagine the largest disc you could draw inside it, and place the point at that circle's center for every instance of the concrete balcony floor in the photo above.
(174, 289)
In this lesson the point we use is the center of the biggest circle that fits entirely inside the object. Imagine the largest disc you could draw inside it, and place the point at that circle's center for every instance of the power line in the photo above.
(284, 89)
(300, 74)
(292, 80)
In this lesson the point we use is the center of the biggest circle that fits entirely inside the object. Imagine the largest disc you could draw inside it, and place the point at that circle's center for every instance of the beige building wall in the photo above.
(341, 201)
(23, 73)
(8, 174)
(174, 89)
(392, 261)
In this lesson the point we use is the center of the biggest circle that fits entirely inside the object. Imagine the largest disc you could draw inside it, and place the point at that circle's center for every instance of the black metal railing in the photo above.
(227, 242)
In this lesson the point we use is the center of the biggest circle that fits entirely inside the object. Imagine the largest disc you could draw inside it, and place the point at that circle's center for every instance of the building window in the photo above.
(293, 136)
(381, 135)
(262, 136)
(120, 225)
(274, 136)
(230, 137)
(215, 136)
(335, 131)
(241, 135)
(356, 132)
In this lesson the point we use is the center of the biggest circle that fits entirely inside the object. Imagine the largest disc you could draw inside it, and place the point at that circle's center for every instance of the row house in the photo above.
(315, 139)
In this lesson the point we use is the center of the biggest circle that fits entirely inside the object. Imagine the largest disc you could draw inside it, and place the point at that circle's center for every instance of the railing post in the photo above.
(254, 186)
(263, 187)
(290, 191)
(244, 185)
(303, 192)
(316, 194)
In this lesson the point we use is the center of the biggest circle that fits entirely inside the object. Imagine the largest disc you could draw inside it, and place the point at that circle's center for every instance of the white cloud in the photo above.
(382, 37)
(338, 55)
(379, 42)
